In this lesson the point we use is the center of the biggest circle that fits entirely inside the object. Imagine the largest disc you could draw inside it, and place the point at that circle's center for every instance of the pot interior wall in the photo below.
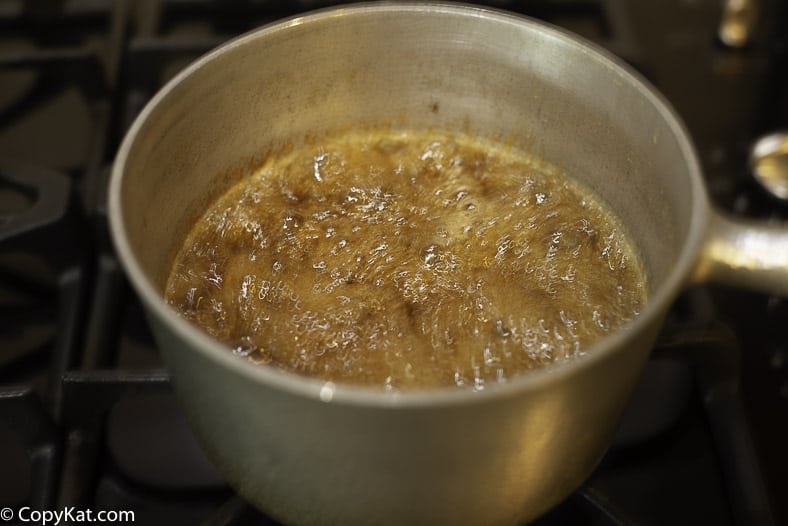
(491, 75)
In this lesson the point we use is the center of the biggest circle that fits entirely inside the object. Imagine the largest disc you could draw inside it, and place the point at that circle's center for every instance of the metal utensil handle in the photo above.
(746, 253)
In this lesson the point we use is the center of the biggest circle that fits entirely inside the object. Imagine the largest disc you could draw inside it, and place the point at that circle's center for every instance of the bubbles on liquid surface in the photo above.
(405, 259)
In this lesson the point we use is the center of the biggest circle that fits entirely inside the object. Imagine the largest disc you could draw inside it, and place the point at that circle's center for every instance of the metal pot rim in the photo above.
(317, 389)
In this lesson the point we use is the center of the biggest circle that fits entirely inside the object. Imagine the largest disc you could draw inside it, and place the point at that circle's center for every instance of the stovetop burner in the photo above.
(87, 414)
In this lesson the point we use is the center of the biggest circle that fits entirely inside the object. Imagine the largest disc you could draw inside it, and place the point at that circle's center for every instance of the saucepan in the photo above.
(313, 452)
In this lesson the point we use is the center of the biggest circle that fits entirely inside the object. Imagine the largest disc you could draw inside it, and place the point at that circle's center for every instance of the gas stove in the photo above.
(87, 414)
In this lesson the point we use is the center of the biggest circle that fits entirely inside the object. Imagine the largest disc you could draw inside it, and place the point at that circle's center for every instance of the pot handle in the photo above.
(746, 253)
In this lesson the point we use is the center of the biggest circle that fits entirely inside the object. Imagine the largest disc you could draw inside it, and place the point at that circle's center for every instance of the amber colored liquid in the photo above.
(407, 259)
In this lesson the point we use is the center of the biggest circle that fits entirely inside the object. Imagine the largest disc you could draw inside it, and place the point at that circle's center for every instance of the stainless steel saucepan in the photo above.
(311, 452)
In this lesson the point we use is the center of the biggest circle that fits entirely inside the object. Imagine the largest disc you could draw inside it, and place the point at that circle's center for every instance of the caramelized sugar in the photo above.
(407, 259)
